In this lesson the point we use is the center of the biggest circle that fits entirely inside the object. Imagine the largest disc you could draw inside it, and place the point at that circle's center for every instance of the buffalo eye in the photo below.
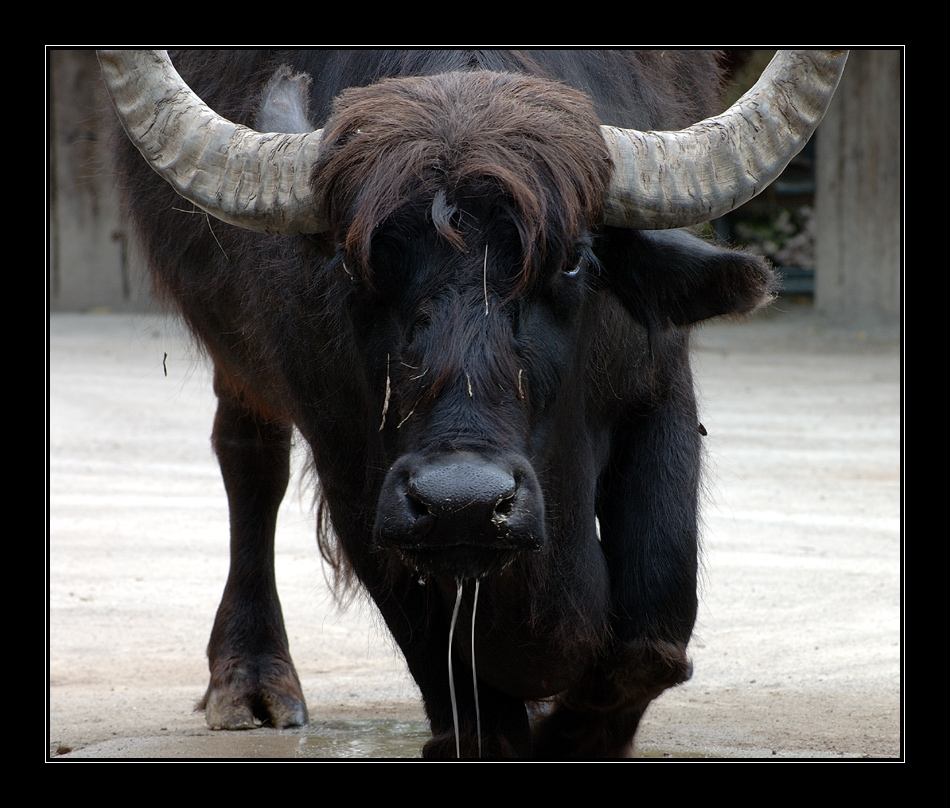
(345, 265)
(582, 259)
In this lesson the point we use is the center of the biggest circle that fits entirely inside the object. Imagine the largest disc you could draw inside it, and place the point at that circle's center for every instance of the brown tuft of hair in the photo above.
(432, 140)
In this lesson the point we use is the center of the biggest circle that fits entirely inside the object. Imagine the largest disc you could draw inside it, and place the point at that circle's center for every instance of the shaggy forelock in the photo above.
(422, 144)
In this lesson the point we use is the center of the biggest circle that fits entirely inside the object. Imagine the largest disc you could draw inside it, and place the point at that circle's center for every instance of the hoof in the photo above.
(238, 698)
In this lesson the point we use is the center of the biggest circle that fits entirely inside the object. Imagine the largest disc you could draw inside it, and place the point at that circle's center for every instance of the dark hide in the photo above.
(482, 372)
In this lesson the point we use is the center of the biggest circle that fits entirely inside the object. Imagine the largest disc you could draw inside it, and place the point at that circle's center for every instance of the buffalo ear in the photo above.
(666, 277)
(284, 103)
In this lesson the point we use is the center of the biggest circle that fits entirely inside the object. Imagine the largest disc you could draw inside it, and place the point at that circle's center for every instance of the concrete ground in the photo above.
(798, 646)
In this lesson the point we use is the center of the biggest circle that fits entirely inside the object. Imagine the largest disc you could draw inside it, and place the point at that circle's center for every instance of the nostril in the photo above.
(504, 505)
(416, 506)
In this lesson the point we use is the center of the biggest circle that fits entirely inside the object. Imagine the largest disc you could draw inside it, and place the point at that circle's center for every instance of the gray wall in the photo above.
(90, 265)
(858, 202)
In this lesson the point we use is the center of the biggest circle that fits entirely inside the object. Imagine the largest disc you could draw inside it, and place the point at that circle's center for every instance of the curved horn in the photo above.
(660, 179)
(675, 179)
(253, 180)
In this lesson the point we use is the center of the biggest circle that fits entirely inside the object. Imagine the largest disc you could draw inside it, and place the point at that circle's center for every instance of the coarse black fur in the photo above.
(467, 330)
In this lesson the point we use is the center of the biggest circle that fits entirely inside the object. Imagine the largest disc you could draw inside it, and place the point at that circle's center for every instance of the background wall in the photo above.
(858, 198)
(90, 261)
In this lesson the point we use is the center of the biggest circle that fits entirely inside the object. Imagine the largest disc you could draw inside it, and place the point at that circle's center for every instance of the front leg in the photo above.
(647, 507)
(252, 675)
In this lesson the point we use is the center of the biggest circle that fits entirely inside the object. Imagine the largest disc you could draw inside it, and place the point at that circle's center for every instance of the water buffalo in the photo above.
(462, 277)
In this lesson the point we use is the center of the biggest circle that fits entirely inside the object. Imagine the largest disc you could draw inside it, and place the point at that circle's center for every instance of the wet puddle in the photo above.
(400, 740)
(384, 739)
(363, 739)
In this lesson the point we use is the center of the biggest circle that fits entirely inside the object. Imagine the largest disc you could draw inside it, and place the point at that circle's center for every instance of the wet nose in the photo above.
(460, 514)
(462, 493)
